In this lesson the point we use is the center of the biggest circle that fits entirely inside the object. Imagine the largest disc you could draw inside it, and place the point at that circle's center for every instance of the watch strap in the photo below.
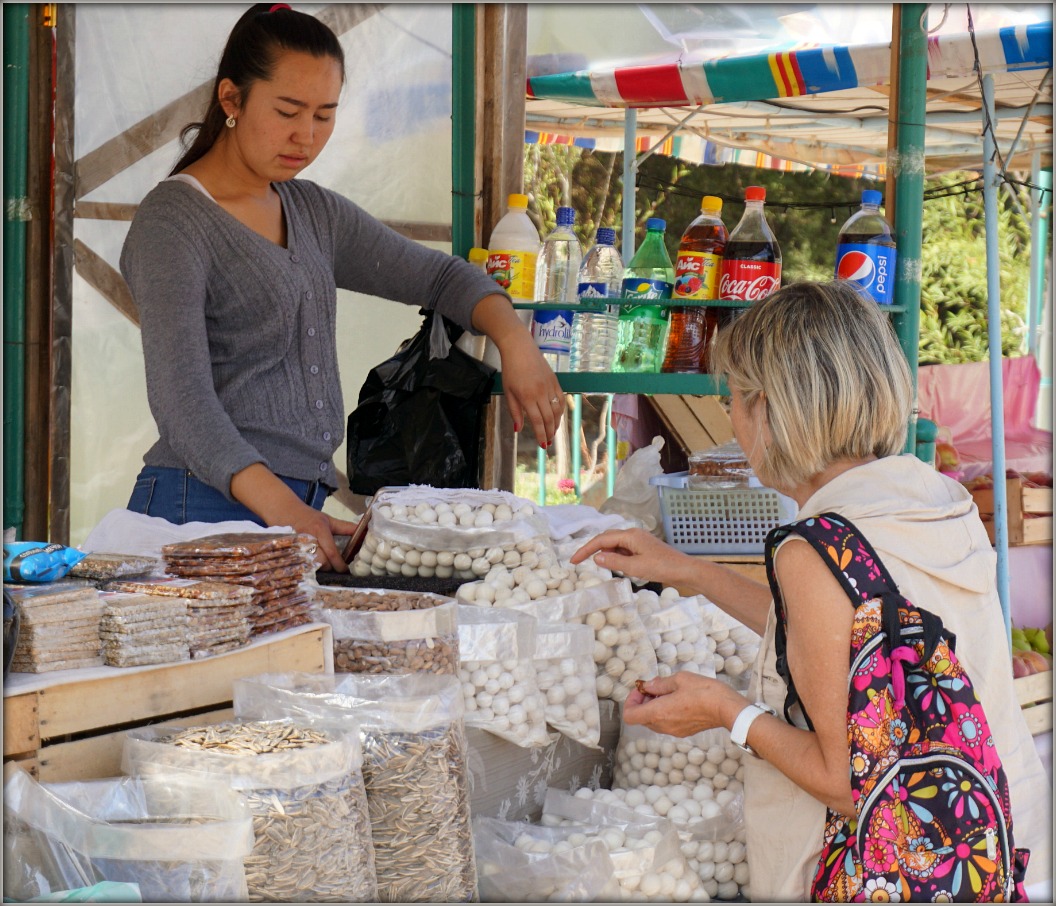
(743, 722)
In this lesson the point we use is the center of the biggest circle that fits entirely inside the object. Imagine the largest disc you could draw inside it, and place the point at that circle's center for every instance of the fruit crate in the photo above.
(1034, 694)
(1029, 512)
(720, 520)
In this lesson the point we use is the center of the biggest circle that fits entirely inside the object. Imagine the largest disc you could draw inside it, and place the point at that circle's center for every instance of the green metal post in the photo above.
(540, 460)
(577, 427)
(16, 166)
(610, 449)
(463, 127)
(908, 168)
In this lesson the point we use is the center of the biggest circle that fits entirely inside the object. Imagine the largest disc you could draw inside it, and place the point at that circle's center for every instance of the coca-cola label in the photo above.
(697, 275)
(749, 281)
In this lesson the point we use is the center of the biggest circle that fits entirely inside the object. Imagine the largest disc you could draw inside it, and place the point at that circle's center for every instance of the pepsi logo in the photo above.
(857, 266)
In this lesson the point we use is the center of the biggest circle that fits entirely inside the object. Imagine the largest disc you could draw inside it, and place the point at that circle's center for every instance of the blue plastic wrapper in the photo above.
(37, 561)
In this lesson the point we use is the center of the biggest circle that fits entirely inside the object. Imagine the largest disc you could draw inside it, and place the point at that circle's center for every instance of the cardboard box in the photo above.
(1029, 512)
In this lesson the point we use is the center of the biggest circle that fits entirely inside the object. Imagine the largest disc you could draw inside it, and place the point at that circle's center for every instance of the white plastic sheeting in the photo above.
(390, 153)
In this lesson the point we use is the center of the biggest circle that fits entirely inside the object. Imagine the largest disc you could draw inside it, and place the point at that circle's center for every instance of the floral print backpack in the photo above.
(932, 815)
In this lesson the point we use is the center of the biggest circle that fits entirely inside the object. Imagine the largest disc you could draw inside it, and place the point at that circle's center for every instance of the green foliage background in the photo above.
(953, 325)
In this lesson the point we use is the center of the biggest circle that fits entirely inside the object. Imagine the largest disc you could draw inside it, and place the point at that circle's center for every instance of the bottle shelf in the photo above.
(649, 384)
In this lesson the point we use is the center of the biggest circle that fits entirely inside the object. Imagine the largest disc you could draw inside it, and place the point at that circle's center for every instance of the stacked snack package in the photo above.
(276, 567)
(218, 613)
(101, 566)
(143, 629)
(59, 627)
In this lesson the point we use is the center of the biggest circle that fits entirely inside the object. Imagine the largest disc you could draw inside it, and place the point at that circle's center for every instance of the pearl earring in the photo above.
(230, 121)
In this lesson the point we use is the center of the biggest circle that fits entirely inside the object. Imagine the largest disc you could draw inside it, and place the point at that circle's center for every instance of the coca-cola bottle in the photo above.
(751, 264)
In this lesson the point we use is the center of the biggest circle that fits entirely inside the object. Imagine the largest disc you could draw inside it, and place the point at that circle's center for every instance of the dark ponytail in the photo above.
(252, 50)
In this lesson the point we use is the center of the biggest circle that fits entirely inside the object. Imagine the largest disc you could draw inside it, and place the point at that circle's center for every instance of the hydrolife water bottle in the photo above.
(512, 252)
(650, 278)
(556, 276)
(865, 250)
(594, 332)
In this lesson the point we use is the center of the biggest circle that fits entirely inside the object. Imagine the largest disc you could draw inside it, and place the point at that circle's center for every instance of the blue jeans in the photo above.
(179, 497)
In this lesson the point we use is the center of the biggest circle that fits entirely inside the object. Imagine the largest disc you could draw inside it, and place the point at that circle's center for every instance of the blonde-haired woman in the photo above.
(820, 399)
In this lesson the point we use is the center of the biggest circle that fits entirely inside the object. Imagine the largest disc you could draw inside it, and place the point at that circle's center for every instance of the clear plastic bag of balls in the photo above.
(697, 783)
(565, 675)
(645, 851)
(529, 863)
(293, 776)
(384, 631)
(736, 646)
(622, 653)
(175, 838)
(676, 631)
(448, 532)
(415, 768)
(497, 669)
(506, 586)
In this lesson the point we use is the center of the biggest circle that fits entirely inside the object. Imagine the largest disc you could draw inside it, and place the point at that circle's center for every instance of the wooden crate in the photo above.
(1035, 528)
(1034, 693)
(74, 729)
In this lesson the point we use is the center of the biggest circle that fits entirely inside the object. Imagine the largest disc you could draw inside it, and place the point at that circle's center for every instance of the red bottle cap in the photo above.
(755, 193)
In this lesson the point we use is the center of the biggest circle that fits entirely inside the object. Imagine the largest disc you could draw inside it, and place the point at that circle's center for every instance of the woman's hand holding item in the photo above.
(533, 393)
(683, 704)
(259, 489)
(638, 553)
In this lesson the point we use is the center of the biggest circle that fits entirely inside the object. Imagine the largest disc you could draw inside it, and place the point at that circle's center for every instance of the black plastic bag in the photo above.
(420, 414)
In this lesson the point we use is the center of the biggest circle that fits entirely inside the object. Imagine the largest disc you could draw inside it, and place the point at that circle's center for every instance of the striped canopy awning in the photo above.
(811, 106)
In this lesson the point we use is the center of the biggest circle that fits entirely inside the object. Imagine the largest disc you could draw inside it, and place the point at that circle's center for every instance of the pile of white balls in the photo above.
(533, 579)
(449, 515)
(720, 865)
(503, 698)
(637, 877)
(622, 653)
(676, 632)
(568, 687)
(735, 648)
(379, 557)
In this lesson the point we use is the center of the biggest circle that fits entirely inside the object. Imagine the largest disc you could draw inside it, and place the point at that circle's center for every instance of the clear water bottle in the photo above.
(649, 279)
(556, 275)
(594, 332)
(865, 251)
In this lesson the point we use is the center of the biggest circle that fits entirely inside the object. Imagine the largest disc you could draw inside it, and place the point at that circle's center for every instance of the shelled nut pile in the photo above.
(273, 566)
(103, 566)
(382, 631)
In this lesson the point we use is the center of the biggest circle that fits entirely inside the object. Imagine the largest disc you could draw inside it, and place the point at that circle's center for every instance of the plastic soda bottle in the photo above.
(556, 279)
(697, 270)
(865, 250)
(594, 332)
(751, 264)
(648, 280)
(480, 347)
(512, 252)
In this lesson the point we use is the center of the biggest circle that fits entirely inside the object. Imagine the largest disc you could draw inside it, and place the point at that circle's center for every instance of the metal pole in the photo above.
(463, 127)
(540, 464)
(1039, 248)
(577, 427)
(991, 181)
(16, 213)
(610, 449)
(630, 138)
(1034, 288)
(908, 165)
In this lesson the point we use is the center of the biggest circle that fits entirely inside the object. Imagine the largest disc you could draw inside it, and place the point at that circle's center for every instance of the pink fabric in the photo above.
(958, 397)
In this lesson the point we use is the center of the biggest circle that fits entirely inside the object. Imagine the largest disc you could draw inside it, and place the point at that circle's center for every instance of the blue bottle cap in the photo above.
(656, 223)
(606, 236)
(871, 196)
(566, 216)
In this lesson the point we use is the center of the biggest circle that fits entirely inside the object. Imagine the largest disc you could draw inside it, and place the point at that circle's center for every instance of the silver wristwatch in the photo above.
(744, 721)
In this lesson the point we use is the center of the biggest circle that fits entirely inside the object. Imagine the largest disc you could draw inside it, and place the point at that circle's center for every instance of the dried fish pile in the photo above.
(144, 629)
(59, 628)
(275, 567)
(418, 794)
(377, 631)
(305, 789)
(218, 612)
(104, 566)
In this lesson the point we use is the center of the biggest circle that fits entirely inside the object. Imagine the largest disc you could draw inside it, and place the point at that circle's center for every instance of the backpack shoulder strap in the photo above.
(849, 558)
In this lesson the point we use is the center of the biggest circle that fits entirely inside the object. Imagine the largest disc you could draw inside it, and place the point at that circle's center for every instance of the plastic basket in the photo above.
(720, 521)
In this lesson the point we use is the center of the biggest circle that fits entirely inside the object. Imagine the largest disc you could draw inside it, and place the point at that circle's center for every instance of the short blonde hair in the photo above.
(824, 360)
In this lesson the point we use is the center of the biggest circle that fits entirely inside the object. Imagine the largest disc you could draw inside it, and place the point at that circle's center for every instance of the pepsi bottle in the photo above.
(865, 251)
